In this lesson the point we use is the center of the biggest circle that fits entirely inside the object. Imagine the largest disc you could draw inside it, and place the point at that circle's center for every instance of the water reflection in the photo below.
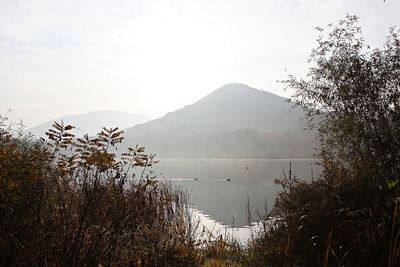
(221, 188)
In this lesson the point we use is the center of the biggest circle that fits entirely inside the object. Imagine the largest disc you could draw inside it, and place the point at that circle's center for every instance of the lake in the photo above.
(221, 189)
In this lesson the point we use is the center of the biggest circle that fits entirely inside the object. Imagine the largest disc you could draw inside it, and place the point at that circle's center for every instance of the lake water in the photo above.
(250, 181)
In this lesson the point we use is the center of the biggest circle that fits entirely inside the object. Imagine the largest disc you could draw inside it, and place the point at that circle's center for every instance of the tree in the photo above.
(349, 216)
(352, 97)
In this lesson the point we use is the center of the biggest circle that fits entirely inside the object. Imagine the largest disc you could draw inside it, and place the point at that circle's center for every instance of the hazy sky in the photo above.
(151, 57)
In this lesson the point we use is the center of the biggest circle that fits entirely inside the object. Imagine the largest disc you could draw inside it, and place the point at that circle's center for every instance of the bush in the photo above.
(325, 224)
(348, 217)
(72, 202)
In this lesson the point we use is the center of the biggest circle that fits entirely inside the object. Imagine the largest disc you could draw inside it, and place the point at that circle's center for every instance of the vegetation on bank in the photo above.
(71, 202)
(350, 216)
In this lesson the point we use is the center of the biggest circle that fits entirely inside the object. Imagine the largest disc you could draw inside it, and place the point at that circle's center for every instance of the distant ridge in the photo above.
(234, 121)
(92, 122)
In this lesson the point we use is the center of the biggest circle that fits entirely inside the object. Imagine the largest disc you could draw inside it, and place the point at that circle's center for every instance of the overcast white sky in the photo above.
(151, 57)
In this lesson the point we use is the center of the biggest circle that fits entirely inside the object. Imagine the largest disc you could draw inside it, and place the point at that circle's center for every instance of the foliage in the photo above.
(325, 224)
(352, 97)
(71, 202)
(221, 250)
(348, 217)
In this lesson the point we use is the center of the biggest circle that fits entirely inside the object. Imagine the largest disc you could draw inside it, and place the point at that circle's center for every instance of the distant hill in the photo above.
(92, 122)
(234, 121)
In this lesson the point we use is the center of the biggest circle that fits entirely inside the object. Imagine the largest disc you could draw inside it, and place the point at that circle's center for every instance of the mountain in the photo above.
(234, 121)
(92, 122)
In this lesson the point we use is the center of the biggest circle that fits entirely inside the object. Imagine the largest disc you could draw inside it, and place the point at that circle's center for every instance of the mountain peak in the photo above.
(242, 90)
(235, 85)
(235, 120)
(231, 87)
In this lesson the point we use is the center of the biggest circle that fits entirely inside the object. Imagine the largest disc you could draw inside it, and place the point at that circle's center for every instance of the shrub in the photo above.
(348, 217)
(72, 202)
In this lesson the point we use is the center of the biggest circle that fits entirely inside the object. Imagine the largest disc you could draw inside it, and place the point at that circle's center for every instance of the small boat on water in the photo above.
(228, 179)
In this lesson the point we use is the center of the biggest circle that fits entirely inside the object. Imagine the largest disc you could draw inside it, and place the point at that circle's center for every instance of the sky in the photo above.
(152, 57)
